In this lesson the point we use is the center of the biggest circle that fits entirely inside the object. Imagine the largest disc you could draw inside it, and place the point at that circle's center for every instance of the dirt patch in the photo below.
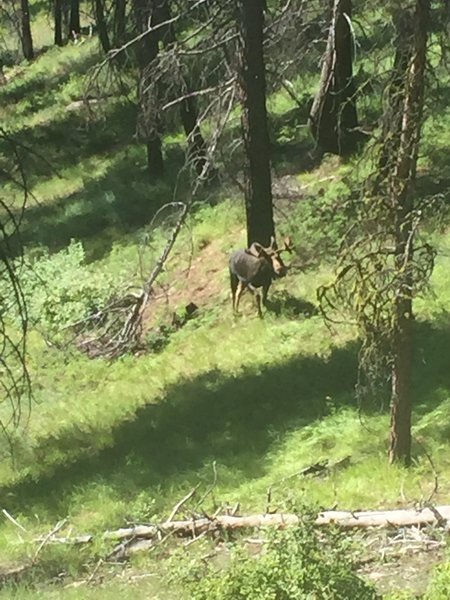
(410, 572)
(203, 282)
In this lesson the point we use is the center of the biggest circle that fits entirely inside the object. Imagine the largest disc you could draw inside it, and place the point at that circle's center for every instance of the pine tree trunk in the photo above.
(119, 23)
(405, 161)
(57, 14)
(26, 39)
(102, 27)
(402, 350)
(74, 19)
(333, 118)
(252, 79)
(148, 119)
(155, 163)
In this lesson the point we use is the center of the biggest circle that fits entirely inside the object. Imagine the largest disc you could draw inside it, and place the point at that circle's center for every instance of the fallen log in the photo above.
(345, 519)
(133, 536)
(435, 515)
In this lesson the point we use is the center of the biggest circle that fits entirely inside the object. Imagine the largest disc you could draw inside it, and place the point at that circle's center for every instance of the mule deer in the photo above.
(254, 268)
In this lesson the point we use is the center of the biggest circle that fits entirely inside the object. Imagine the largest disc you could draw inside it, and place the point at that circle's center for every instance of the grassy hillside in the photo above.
(234, 405)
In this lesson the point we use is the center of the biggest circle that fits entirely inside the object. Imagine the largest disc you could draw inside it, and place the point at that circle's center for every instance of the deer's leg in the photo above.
(264, 294)
(240, 290)
(234, 282)
(258, 304)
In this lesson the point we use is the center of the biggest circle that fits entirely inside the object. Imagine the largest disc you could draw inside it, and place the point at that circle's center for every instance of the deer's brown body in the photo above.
(254, 269)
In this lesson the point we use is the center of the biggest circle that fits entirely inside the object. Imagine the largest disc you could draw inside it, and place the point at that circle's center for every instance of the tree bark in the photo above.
(333, 119)
(57, 15)
(102, 27)
(148, 118)
(74, 19)
(405, 161)
(119, 23)
(26, 38)
(252, 79)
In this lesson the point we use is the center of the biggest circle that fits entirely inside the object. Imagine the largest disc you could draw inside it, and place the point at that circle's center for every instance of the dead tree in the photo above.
(252, 82)
(333, 119)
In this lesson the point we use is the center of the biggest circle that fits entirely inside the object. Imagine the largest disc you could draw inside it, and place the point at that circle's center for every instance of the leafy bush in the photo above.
(296, 564)
(60, 289)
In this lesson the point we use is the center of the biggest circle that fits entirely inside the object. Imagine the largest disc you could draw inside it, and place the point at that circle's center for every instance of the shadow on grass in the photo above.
(107, 208)
(233, 420)
(432, 370)
(292, 306)
(38, 83)
(69, 138)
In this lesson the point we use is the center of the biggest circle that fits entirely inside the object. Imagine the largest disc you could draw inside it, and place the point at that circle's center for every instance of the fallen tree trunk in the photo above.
(143, 537)
(345, 519)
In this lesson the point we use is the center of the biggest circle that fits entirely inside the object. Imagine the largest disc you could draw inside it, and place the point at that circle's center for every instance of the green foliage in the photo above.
(297, 564)
(61, 290)
(439, 588)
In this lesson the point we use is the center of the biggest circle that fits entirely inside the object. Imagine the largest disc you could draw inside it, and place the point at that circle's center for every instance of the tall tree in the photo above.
(381, 263)
(58, 15)
(333, 118)
(119, 23)
(26, 39)
(401, 179)
(148, 118)
(74, 19)
(252, 81)
(102, 26)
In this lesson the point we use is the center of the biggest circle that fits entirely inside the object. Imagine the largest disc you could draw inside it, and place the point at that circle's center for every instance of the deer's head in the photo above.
(272, 254)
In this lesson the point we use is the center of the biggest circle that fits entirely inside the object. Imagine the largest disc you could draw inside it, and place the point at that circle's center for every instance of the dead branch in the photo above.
(48, 537)
(12, 519)
(183, 501)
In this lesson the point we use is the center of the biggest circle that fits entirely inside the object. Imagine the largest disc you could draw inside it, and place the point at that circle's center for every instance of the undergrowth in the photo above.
(295, 564)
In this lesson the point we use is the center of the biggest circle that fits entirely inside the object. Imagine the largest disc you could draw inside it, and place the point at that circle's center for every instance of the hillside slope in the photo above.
(232, 404)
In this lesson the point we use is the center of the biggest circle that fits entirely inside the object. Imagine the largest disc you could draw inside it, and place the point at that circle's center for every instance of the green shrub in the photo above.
(296, 564)
(61, 289)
